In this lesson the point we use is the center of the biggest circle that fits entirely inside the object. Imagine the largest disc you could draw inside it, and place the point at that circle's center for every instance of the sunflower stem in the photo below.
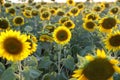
(20, 70)
(59, 59)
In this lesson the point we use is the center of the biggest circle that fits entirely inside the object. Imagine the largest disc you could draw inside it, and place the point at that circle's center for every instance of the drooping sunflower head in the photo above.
(46, 38)
(69, 24)
(60, 12)
(7, 5)
(89, 25)
(71, 2)
(14, 46)
(108, 23)
(80, 6)
(34, 12)
(74, 11)
(114, 10)
(11, 10)
(27, 14)
(91, 16)
(38, 6)
(50, 28)
(99, 67)
(112, 41)
(33, 45)
(63, 19)
(62, 35)
(18, 20)
(4, 24)
(45, 15)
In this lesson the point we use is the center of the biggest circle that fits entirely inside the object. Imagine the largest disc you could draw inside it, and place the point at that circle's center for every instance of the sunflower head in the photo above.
(80, 6)
(11, 10)
(114, 10)
(92, 16)
(50, 28)
(44, 9)
(4, 24)
(53, 11)
(14, 46)
(38, 6)
(74, 11)
(34, 12)
(62, 35)
(69, 24)
(7, 5)
(1, 2)
(60, 12)
(27, 14)
(71, 2)
(99, 67)
(89, 25)
(112, 41)
(108, 23)
(63, 19)
(45, 15)
(18, 20)
(28, 8)
(46, 38)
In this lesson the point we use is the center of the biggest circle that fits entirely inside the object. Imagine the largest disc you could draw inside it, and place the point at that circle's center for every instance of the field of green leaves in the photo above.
(60, 41)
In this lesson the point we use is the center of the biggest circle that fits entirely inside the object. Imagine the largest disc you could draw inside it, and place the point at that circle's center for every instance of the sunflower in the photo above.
(112, 41)
(62, 35)
(71, 2)
(98, 8)
(34, 12)
(108, 23)
(11, 10)
(80, 6)
(14, 46)
(50, 28)
(46, 38)
(91, 16)
(27, 14)
(33, 45)
(45, 15)
(99, 67)
(53, 11)
(69, 24)
(38, 6)
(89, 25)
(4, 24)
(7, 5)
(44, 9)
(114, 10)
(63, 19)
(74, 11)
(60, 12)
(18, 21)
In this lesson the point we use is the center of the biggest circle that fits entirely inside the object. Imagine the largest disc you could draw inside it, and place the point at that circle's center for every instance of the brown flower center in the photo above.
(115, 40)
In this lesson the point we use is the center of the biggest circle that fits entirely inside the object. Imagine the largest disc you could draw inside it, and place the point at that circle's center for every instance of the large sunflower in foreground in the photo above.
(108, 23)
(112, 41)
(99, 67)
(13, 45)
(62, 35)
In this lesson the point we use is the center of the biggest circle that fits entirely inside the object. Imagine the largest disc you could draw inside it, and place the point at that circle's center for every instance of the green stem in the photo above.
(20, 70)
(59, 59)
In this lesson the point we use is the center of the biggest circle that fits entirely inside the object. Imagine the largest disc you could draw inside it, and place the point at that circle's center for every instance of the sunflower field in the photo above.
(59, 41)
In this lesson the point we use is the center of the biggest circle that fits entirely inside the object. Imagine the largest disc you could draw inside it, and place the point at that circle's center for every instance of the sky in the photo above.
(15, 1)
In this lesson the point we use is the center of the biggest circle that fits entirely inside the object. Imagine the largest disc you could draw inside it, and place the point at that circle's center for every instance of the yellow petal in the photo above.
(113, 61)
(101, 53)
(117, 69)
(82, 77)
(89, 57)
(111, 78)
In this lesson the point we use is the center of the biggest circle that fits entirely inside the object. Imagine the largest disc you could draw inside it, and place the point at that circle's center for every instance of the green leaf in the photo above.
(34, 73)
(69, 62)
(2, 68)
(26, 74)
(45, 62)
(8, 75)
(31, 61)
(73, 79)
